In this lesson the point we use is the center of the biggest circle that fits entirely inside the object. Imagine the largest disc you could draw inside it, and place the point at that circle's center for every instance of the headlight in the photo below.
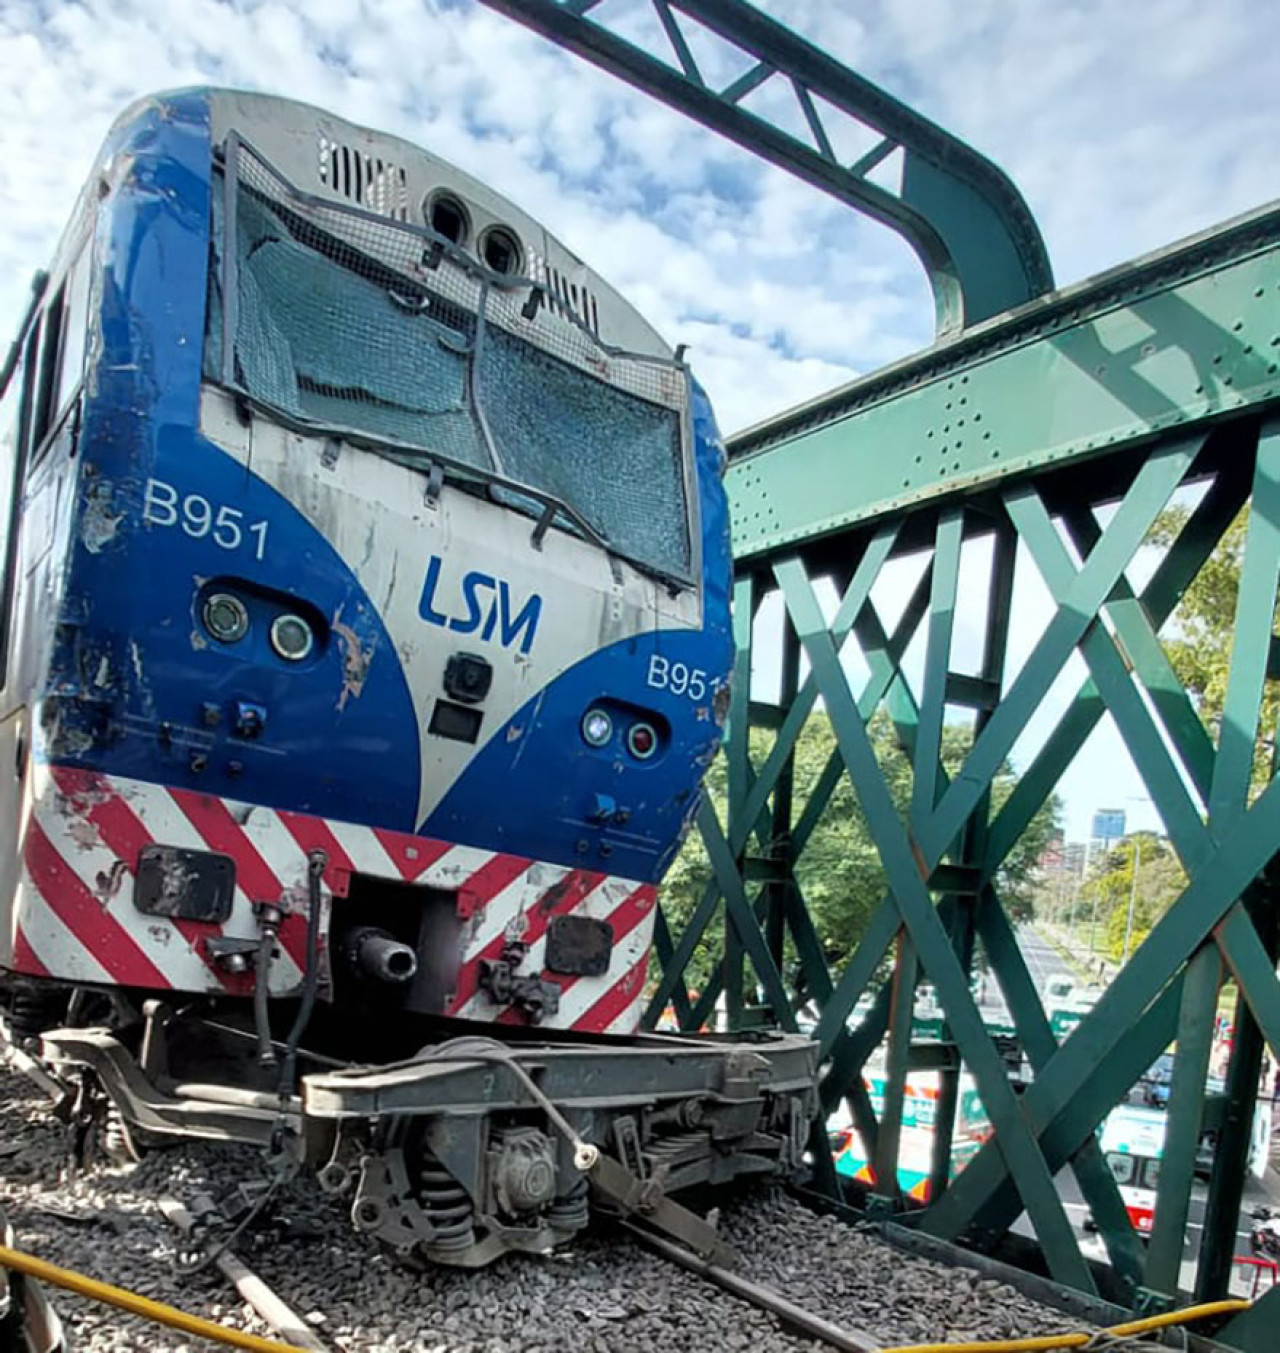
(225, 617)
(291, 637)
(597, 728)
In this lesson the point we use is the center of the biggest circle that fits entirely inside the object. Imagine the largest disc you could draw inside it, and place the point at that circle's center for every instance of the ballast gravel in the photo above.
(605, 1294)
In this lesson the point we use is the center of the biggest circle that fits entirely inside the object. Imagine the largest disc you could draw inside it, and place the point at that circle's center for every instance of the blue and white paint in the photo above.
(162, 490)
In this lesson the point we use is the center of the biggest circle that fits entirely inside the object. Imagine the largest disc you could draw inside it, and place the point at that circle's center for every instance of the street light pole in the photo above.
(1133, 894)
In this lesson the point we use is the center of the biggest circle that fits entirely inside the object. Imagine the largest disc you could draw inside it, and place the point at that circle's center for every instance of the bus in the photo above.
(919, 1119)
(1132, 1140)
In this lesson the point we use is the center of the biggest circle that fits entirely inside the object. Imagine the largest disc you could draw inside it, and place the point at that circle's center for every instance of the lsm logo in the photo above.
(484, 604)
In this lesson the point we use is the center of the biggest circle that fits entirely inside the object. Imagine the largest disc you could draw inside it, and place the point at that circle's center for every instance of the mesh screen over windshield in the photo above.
(347, 322)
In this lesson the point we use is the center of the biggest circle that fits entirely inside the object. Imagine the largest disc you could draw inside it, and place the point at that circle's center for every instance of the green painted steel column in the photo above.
(1183, 1118)
(1231, 1157)
(973, 844)
(937, 661)
(905, 972)
(961, 931)
(1251, 640)
(777, 892)
(737, 750)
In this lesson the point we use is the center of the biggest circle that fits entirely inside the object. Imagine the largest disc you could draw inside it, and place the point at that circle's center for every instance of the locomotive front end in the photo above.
(373, 642)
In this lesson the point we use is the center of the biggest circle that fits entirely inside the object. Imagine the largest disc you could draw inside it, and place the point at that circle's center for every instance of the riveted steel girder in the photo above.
(1056, 427)
(1080, 528)
(1183, 337)
(965, 219)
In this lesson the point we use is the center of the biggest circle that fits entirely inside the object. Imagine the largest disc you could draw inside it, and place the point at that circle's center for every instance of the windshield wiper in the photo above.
(551, 509)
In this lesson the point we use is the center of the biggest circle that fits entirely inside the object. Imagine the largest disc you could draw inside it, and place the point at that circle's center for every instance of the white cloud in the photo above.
(1126, 126)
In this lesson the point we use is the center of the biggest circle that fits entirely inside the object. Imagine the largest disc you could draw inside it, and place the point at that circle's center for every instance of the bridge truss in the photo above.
(1049, 431)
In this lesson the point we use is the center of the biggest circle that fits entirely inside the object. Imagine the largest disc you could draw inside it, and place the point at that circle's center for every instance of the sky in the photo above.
(1126, 126)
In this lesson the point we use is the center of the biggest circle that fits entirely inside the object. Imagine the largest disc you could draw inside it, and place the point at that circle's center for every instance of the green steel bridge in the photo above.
(1034, 408)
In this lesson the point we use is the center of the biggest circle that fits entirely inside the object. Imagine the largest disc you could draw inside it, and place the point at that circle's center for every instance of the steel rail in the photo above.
(787, 1312)
(277, 1313)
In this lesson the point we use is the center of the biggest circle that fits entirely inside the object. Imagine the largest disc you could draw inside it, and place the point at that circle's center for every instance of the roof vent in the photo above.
(566, 297)
(367, 180)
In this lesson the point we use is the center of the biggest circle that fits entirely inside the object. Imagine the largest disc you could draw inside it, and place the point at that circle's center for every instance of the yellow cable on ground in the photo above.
(1080, 1338)
(155, 1311)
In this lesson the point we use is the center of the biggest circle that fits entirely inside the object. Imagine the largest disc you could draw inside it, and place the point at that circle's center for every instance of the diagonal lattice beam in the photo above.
(1068, 1127)
(1097, 1184)
(740, 915)
(1111, 678)
(1096, 1181)
(966, 221)
(1142, 648)
(754, 801)
(911, 896)
(1102, 637)
(1244, 852)
(1175, 571)
(1075, 611)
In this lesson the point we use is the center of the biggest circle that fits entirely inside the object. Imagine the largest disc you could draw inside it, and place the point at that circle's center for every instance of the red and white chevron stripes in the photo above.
(74, 916)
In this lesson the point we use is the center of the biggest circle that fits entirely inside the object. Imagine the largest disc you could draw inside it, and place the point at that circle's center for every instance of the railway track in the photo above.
(610, 1293)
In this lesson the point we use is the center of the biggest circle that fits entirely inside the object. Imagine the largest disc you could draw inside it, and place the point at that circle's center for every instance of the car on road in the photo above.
(1158, 1081)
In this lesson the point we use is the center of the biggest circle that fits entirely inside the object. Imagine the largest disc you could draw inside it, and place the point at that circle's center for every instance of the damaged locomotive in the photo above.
(366, 638)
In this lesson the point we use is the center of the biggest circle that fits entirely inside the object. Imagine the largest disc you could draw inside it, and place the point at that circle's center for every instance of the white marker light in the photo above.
(597, 728)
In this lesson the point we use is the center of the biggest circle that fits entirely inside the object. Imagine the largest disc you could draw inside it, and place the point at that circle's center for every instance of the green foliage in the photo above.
(1198, 640)
(1199, 635)
(839, 871)
(1160, 879)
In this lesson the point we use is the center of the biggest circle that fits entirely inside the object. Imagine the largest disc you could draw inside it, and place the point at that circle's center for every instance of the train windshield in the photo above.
(339, 321)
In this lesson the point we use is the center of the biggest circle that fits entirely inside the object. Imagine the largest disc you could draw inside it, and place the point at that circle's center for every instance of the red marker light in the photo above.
(642, 741)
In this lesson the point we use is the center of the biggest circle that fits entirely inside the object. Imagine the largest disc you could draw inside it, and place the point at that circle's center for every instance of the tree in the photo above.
(839, 872)
(1110, 886)
(1198, 637)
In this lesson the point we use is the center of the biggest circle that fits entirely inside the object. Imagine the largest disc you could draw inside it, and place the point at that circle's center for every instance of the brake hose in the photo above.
(316, 862)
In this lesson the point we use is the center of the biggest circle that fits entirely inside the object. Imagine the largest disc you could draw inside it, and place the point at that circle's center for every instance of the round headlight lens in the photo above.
(642, 741)
(597, 728)
(291, 637)
(225, 617)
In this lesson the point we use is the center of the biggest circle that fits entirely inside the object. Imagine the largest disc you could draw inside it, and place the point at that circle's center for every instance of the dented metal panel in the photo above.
(235, 629)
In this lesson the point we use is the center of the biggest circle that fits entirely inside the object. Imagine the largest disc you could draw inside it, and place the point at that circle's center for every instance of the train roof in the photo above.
(327, 156)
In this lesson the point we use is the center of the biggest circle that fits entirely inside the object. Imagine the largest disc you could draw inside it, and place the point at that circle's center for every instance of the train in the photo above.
(366, 640)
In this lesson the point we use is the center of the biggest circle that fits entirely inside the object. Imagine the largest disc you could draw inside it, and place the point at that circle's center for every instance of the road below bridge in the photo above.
(1045, 961)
